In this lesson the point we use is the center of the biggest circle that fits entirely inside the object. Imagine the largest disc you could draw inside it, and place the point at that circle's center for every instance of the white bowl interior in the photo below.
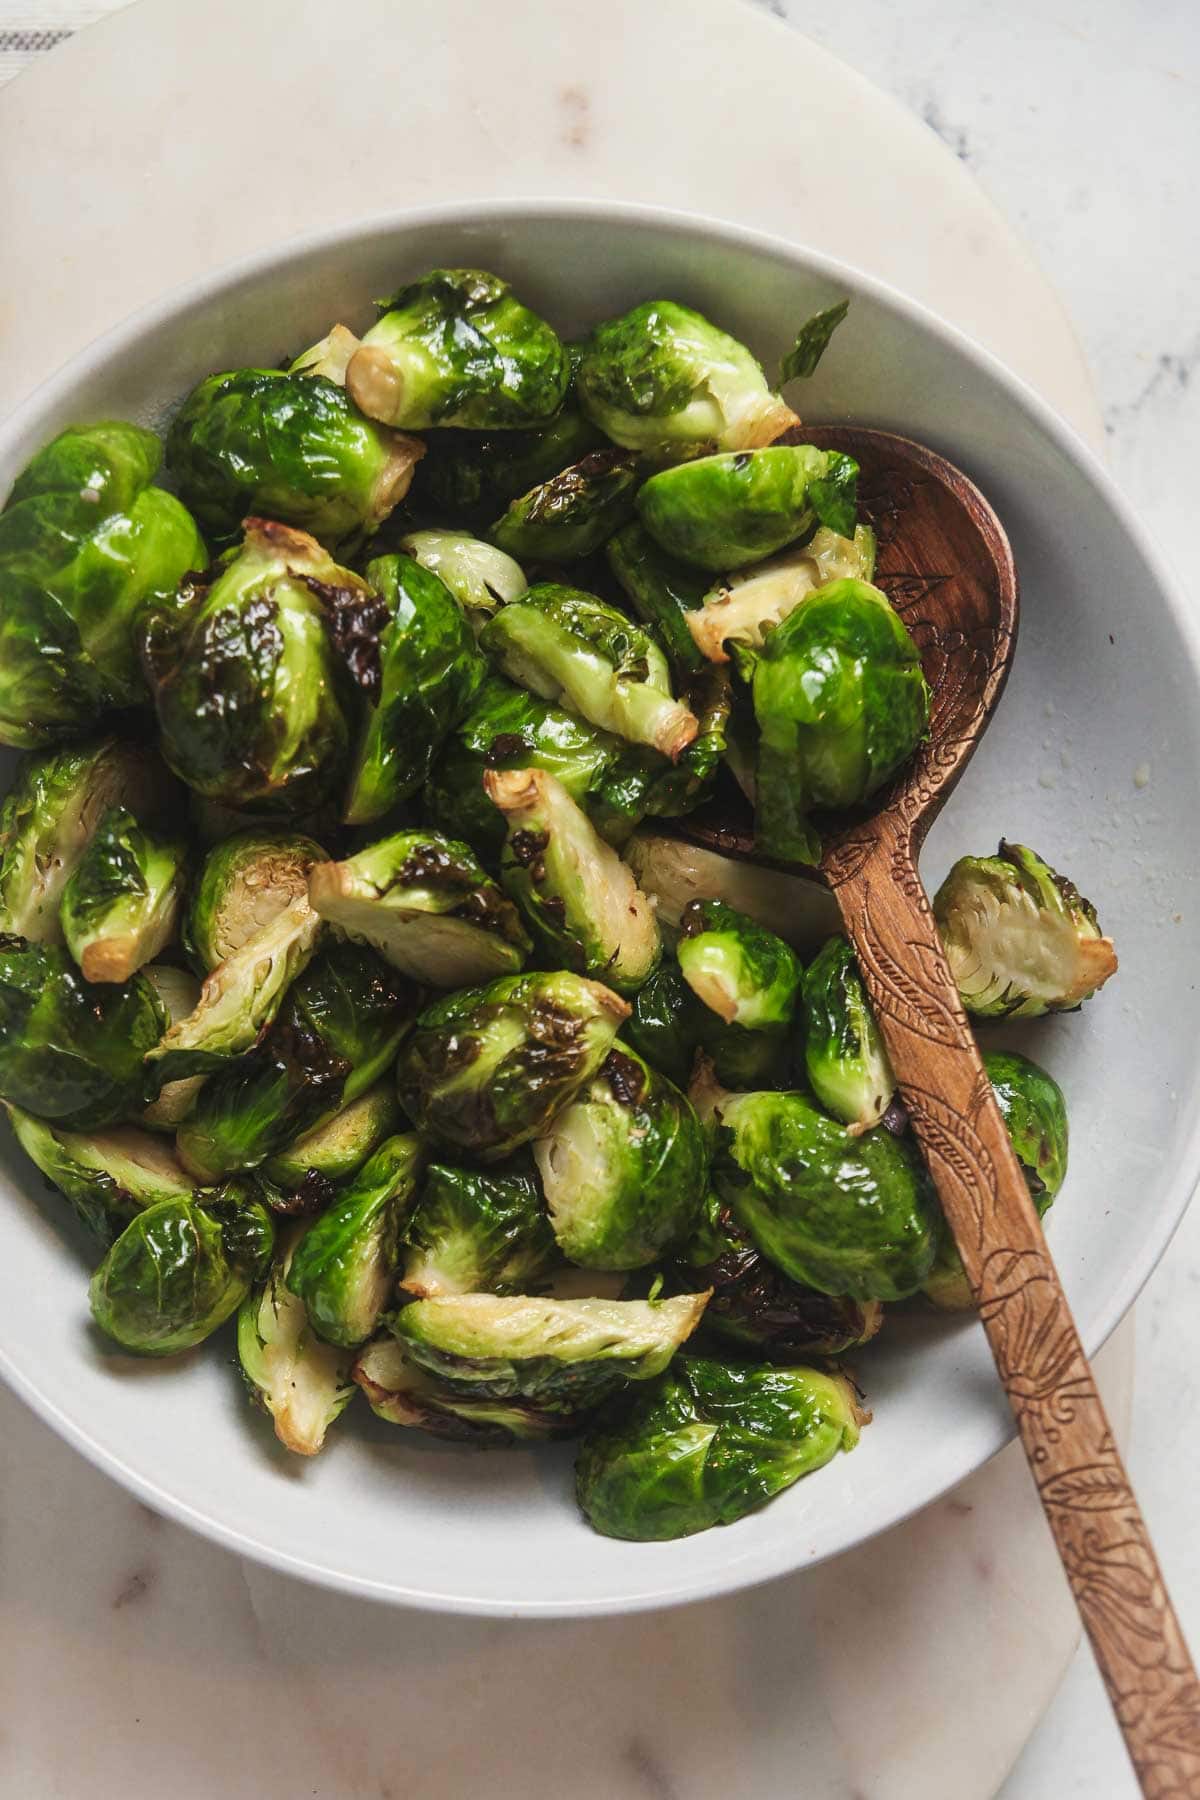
(1091, 759)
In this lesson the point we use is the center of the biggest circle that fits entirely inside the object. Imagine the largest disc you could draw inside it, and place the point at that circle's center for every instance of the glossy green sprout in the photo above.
(670, 1023)
(721, 512)
(302, 1382)
(121, 904)
(403, 1394)
(742, 609)
(742, 972)
(478, 1231)
(245, 882)
(337, 1148)
(844, 1057)
(108, 1176)
(344, 1266)
(574, 512)
(480, 576)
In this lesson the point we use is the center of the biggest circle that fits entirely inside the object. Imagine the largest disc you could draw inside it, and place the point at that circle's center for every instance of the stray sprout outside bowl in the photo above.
(1105, 687)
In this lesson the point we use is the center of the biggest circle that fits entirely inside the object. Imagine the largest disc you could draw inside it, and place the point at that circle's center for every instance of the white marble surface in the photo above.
(196, 1651)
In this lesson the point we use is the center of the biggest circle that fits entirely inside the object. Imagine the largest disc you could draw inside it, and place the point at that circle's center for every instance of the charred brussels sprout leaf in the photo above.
(403, 1394)
(288, 447)
(579, 898)
(488, 1068)
(424, 902)
(844, 1056)
(1019, 938)
(303, 1383)
(335, 1035)
(742, 609)
(71, 1051)
(812, 341)
(845, 1215)
(50, 814)
(121, 904)
(670, 1023)
(707, 1444)
(108, 1176)
(562, 1354)
(429, 671)
(344, 1266)
(458, 348)
(573, 513)
(571, 648)
(86, 543)
(246, 881)
(720, 512)
(662, 379)
(477, 1232)
(841, 704)
(335, 1150)
(743, 973)
(623, 1167)
(179, 1269)
(480, 576)
(252, 700)
(662, 592)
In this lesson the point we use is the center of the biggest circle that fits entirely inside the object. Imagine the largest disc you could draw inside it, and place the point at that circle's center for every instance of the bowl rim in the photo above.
(1066, 441)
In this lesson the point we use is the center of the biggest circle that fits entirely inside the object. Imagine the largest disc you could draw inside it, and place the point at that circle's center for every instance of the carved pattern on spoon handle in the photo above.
(1084, 1489)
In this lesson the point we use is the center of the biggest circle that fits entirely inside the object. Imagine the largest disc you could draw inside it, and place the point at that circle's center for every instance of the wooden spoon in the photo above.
(945, 564)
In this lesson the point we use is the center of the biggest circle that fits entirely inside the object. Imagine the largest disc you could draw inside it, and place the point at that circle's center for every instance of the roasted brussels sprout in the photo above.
(344, 1267)
(303, 1383)
(245, 882)
(85, 544)
(428, 671)
(403, 1394)
(120, 906)
(842, 1214)
(623, 1166)
(480, 576)
(673, 872)
(477, 1232)
(580, 899)
(662, 379)
(292, 447)
(253, 703)
(707, 1444)
(1033, 1108)
(488, 1068)
(458, 348)
(335, 1150)
(662, 592)
(562, 1354)
(50, 815)
(424, 902)
(108, 1176)
(670, 1023)
(330, 357)
(336, 1033)
(812, 341)
(743, 973)
(474, 475)
(179, 994)
(742, 609)
(721, 512)
(844, 1056)
(71, 1051)
(179, 1269)
(570, 647)
(573, 512)
(841, 703)
(1019, 938)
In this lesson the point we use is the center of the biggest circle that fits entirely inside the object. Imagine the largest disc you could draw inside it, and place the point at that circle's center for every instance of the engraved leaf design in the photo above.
(1096, 1487)
(896, 992)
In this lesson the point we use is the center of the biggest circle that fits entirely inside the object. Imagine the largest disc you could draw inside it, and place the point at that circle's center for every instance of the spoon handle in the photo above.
(1101, 1536)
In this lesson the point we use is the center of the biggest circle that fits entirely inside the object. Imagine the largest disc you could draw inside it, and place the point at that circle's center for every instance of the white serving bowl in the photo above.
(1092, 758)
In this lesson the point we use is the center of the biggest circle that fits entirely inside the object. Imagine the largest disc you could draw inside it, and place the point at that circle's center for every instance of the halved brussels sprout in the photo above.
(1019, 938)
(663, 593)
(456, 347)
(424, 902)
(108, 1176)
(403, 1394)
(673, 872)
(303, 1383)
(292, 447)
(70, 1050)
(563, 1354)
(246, 881)
(488, 1068)
(344, 1267)
(179, 993)
(480, 576)
(709, 1443)
(179, 1269)
(573, 512)
(844, 1055)
(50, 815)
(478, 1232)
(662, 379)
(743, 973)
(721, 512)
(742, 609)
(338, 1030)
(570, 647)
(579, 897)
(429, 671)
(252, 700)
(336, 1149)
(120, 906)
(1034, 1110)
(623, 1166)
(841, 703)
(670, 1023)
(845, 1215)
(85, 544)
